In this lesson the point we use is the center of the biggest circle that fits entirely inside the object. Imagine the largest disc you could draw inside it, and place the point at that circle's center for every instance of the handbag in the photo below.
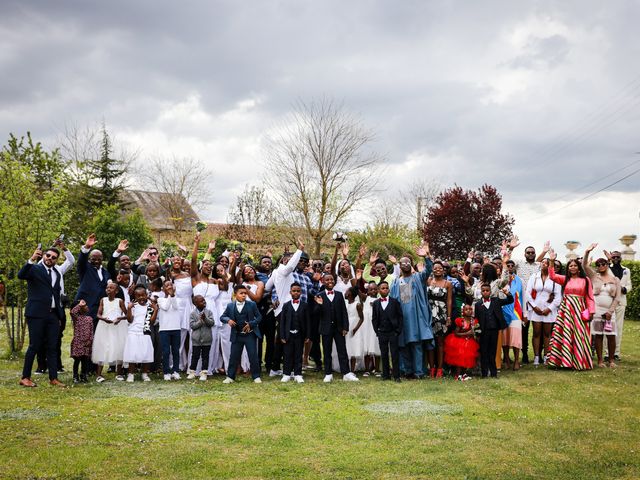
(585, 315)
(608, 326)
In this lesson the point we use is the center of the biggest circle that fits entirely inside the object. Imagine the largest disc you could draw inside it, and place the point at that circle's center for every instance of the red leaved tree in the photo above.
(461, 220)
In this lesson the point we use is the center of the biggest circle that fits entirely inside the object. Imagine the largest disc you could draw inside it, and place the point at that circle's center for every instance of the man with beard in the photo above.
(265, 307)
(409, 290)
(624, 275)
(93, 277)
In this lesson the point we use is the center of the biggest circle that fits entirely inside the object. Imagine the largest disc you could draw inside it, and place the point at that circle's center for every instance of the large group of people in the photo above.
(390, 317)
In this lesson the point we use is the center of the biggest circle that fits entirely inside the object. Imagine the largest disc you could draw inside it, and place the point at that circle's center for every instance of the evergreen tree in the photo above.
(107, 177)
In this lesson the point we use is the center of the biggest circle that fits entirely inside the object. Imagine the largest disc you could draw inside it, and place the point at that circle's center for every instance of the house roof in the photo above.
(153, 211)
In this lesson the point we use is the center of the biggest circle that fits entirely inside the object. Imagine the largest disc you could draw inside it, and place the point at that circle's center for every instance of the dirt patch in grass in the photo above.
(27, 414)
(412, 408)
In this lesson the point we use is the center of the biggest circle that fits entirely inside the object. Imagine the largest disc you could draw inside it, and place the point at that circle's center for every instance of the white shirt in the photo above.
(384, 303)
(295, 305)
(487, 303)
(169, 314)
(330, 296)
(69, 261)
(240, 306)
(281, 279)
(99, 270)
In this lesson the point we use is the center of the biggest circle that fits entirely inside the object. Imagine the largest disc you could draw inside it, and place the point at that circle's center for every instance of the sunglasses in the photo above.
(153, 253)
(51, 256)
(615, 257)
(600, 264)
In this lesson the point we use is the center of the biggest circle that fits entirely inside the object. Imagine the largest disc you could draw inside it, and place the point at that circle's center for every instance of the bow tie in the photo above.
(329, 292)
(384, 299)
(296, 301)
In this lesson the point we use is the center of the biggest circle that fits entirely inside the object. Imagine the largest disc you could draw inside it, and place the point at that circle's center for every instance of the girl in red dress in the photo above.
(461, 348)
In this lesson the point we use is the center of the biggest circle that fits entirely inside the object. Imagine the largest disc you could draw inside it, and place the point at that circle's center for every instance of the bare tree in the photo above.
(409, 206)
(320, 167)
(182, 181)
(253, 213)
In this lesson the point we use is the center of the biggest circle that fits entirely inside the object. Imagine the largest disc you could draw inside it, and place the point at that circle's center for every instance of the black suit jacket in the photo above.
(40, 290)
(492, 318)
(332, 313)
(387, 320)
(91, 288)
(288, 315)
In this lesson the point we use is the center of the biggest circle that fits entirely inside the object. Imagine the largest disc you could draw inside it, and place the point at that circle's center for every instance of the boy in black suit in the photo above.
(488, 311)
(294, 333)
(387, 323)
(334, 325)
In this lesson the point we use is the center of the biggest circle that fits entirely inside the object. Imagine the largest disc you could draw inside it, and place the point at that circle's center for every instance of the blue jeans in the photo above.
(411, 358)
(170, 339)
(250, 342)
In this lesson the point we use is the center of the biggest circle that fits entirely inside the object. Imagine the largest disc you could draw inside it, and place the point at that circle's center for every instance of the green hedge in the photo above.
(633, 297)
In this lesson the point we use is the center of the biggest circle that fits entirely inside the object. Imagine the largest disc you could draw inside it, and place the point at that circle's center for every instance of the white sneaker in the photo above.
(228, 380)
(191, 374)
(298, 379)
(536, 361)
(328, 378)
(99, 379)
(275, 373)
(167, 377)
(119, 378)
(175, 376)
(285, 378)
(145, 378)
(350, 377)
(257, 380)
(130, 378)
(203, 376)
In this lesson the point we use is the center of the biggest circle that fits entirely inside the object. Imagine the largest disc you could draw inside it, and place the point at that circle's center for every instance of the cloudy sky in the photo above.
(540, 99)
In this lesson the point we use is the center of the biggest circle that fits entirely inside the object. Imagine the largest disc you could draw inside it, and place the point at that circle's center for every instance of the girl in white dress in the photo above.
(354, 337)
(370, 344)
(139, 347)
(111, 333)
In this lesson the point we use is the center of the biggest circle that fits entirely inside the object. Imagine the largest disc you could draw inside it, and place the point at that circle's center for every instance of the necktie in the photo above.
(329, 292)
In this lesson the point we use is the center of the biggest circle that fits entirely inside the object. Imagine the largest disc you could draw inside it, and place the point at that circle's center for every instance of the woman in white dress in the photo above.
(221, 346)
(607, 293)
(208, 287)
(542, 299)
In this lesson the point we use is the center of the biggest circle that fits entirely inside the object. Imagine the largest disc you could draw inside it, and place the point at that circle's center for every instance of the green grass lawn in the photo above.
(531, 424)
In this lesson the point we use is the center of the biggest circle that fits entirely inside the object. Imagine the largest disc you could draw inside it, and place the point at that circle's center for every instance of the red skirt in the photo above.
(461, 351)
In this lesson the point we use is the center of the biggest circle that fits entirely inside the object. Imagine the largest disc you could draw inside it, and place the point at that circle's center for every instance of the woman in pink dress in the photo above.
(570, 344)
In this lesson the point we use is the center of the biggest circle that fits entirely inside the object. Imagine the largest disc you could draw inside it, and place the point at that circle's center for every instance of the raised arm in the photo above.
(557, 278)
(194, 256)
(591, 273)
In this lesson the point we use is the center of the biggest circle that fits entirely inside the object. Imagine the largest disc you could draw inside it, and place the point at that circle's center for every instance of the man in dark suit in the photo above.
(44, 312)
(488, 311)
(334, 325)
(295, 327)
(243, 317)
(93, 277)
(387, 323)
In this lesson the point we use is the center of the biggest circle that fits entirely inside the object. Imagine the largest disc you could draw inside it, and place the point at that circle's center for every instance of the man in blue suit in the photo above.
(44, 312)
(93, 277)
(243, 317)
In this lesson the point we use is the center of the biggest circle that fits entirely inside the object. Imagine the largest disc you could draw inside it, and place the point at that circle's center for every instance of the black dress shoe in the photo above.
(61, 370)
(616, 358)
(83, 378)
(76, 379)
(40, 371)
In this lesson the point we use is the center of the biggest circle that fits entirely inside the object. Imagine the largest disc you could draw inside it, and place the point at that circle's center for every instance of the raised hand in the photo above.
(471, 253)
(358, 274)
(547, 246)
(463, 277)
(196, 238)
(373, 257)
(362, 251)
(393, 259)
(122, 246)
(514, 242)
(212, 246)
(552, 254)
(300, 244)
(37, 255)
(423, 250)
(182, 247)
(91, 241)
(607, 254)
(286, 249)
(591, 247)
(345, 250)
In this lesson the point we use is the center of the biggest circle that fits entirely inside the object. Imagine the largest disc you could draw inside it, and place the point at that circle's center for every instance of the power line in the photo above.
(587, 196)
